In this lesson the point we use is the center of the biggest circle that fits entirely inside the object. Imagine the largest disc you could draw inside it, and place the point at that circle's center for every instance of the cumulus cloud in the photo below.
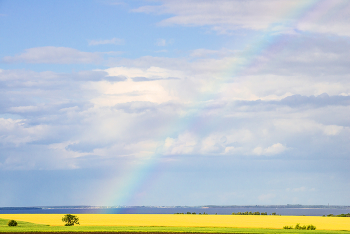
(271, 150)
(51, 54)
(184, 144)
(17, 132)
(269, 109)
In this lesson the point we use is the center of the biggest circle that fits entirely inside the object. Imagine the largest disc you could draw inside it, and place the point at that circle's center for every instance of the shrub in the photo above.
(12, 223)
(311, 227)
(70, 220)
(299, 227)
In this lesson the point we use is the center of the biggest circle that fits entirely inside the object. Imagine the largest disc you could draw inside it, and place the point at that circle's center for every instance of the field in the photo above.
(176, 223)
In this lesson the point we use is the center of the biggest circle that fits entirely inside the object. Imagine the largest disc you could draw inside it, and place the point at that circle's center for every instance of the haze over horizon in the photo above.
(174, 102)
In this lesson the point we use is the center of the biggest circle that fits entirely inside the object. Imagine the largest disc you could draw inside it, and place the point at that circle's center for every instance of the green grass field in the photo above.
(31, 227)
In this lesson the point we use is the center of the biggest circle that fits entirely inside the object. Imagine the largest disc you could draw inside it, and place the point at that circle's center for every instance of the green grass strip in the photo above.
(32, 227)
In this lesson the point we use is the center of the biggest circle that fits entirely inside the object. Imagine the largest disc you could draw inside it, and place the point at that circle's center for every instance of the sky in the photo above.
(174, 102)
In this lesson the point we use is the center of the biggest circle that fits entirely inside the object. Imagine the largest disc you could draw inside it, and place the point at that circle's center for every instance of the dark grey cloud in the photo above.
(115, 78)
(136, 107)
(300, 101)
(316, 101)
(141, 107)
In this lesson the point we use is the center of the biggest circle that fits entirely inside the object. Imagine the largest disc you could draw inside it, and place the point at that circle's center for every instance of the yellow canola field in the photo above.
(172, 220)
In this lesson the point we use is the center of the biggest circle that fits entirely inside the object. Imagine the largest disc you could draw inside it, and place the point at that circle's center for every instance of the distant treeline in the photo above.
(252, 213)
(340, 215)
(282, 206)
(193, 213)
(20, 208)
(238, 213)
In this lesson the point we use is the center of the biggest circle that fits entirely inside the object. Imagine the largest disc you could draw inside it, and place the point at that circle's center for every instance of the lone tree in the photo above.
(12, 223)
(70, 220)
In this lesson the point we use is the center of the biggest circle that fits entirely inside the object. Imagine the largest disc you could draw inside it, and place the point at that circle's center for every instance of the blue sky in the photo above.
(174, 102)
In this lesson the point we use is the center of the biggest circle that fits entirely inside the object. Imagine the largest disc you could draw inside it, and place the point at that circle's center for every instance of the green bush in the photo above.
(12, 223)
(288, 227)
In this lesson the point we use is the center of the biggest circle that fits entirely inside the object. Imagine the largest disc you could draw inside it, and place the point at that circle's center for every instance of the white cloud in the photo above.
(51, 54)
(275, 149)
(332, 130)
(222, 15)
(212, 144)
(307, 126)
(328, 17)
(125, 119)
(16, 132)
(271, 150)
(156, 89)
(274, 76)
(113, 41)
(274, 15)
(184, 144)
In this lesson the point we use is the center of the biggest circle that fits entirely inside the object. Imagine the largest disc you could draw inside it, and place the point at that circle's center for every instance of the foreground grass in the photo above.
(33, 228)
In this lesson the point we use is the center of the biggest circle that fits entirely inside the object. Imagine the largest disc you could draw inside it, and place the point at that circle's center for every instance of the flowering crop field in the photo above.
(178, 220)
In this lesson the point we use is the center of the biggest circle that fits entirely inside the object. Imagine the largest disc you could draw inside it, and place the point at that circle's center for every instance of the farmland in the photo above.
(176, 223)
